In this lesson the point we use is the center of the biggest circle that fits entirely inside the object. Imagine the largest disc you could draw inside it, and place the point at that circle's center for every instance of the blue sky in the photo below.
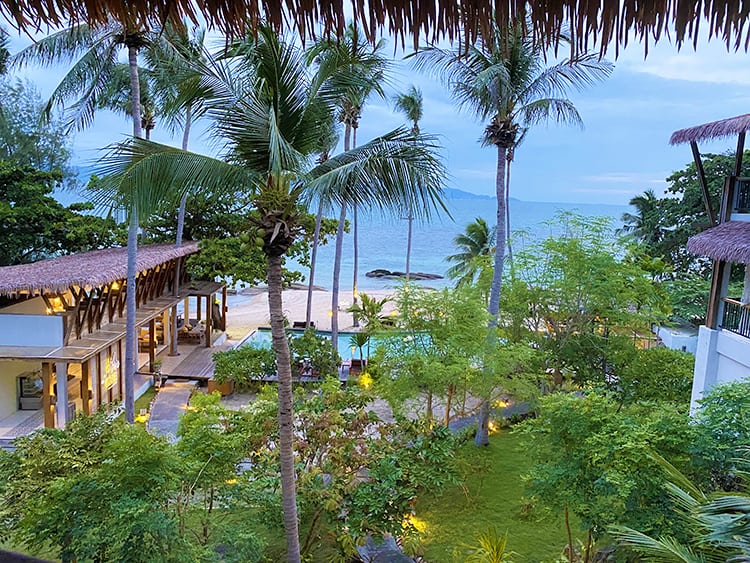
(622, 150)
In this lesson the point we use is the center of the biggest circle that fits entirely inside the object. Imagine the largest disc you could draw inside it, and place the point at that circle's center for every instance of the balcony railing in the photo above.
(742, 196)
(736, 317)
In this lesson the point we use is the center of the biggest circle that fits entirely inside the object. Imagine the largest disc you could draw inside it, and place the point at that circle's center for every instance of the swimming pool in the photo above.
(262, 339)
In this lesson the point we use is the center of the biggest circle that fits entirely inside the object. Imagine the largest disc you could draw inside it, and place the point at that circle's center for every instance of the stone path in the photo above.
(168, 407)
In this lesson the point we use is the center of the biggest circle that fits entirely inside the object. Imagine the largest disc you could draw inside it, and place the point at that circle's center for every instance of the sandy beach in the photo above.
(247, 315)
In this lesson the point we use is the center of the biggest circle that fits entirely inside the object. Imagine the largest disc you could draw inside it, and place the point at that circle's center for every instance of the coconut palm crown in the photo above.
(270, 115)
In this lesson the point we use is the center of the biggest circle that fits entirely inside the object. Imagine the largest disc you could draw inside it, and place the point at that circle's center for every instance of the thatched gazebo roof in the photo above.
(590, 21)
(94, 269)
(728, 241)
(730, 127)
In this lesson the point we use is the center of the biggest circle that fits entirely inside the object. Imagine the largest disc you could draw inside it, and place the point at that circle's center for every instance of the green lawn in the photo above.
(490, 498)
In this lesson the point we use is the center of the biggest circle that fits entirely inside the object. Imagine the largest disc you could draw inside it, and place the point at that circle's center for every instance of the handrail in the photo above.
(736, 317)
(741, 203)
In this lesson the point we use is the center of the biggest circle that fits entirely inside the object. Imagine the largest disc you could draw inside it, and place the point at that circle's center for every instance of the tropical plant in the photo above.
(491, 547)
(644, 224)
(410, 104)
(503, 78)
(270, 116)
(476, 241)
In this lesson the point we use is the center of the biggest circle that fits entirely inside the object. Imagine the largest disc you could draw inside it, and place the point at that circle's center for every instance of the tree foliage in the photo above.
(34, 225)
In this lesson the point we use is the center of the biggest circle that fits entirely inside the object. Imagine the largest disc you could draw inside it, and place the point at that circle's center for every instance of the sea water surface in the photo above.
(382, 239)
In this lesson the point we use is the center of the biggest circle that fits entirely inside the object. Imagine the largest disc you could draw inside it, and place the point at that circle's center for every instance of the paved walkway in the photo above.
(168, 407)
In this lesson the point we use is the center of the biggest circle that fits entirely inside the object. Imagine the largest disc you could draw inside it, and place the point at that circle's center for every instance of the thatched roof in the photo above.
(728, 241)
(94, 269)
(730, 127)
(591, 21)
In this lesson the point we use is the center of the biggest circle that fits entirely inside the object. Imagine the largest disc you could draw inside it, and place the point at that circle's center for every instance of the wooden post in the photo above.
(739, 154)
(86, 387)
(173, 333)
(209, 327)
(198, 307)
(96, 383)
(702, 180)
(48, 398)
(186, 312)
(151, 344)
(61, 369)
(719, 277)
(224, 308)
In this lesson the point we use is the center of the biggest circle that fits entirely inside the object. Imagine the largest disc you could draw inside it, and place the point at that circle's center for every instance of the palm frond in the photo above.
(662, 550)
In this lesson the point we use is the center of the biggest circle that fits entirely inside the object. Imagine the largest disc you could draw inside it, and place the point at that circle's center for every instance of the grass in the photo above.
(492, 496)
(144, 402)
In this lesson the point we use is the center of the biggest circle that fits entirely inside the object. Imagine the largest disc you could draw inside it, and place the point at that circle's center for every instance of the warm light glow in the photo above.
(115, 286)
(365, 380)
(49, 311)
(501, 404)
(330, 314)
(493, 427)
(417, 523)
(231, 481)
(58, 305)
(141, 418)
(355, 294)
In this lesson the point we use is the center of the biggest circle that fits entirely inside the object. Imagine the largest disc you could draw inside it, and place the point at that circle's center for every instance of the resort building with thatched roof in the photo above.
(723, 351)
(62, 330)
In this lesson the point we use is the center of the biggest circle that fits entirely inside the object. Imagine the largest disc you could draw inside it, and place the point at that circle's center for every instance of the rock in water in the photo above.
(387, 274)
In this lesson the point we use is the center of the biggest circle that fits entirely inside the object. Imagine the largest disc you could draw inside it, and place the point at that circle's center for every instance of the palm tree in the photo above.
(410, 104)
(644, 225)
(503, 79)
(96, 49)
(475, 241)
(270, 117)
(364, 61)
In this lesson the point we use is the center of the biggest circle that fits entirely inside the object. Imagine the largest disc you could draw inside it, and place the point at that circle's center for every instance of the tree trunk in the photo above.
(448, 401)
(408, 246)
(482, 437)
(336, 276)
(570, 536)
(355, 264)
(130, 340)
(286, 414)
(135, 90)
(337, 258)
(507, 212)
(131, 352)
(313, 258)
(429, 405)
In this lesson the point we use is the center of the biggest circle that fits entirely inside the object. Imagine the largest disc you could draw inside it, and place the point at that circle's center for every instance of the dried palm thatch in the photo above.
(94, 269)
(728, 241)
(730, 127)
(589, 21)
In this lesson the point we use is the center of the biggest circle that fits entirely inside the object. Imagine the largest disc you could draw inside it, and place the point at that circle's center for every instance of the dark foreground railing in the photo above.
(736, 317)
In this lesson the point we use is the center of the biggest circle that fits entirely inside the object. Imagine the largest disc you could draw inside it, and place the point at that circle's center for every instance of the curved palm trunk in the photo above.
(313, 259)
(280, 346)
(336, 276)
(180, 225)
(337, 257)
(355, 264)
(482, 436)
(131, 353)
(130, 341)
(507, 211)
(408, 247)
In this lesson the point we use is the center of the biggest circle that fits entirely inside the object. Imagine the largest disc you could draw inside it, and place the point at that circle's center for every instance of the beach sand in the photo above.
(246, 316)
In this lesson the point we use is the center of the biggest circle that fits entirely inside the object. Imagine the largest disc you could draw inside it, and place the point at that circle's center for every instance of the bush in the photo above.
(244, 365)
(658, 374)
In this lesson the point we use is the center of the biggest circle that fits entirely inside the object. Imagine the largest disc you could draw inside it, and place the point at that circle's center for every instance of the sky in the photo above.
(622, 150)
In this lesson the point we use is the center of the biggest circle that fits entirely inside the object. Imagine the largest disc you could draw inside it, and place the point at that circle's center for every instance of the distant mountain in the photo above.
(452, 193)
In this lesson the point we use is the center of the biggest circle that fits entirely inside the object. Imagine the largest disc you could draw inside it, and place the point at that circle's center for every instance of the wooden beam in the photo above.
(151, 344)
(719, 271)
(739, 154)
(48, 399)
(209, 327)
(702, 179)
(224, 308)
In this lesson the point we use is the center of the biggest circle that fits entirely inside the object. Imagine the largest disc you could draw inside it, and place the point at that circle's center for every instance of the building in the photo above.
(723, 350)
(65, 317)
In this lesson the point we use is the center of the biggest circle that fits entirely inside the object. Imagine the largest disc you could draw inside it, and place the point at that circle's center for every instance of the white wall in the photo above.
(721, 356)
(31, 330)
(678, 338)
(9, 372)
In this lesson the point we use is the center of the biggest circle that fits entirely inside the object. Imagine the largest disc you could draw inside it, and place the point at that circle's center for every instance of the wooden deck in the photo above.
(198, 365)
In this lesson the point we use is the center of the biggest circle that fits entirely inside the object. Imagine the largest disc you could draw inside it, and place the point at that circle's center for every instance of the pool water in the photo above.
(262, 339)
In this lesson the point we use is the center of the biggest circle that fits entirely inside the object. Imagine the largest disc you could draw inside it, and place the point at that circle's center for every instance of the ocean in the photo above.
(382, 240)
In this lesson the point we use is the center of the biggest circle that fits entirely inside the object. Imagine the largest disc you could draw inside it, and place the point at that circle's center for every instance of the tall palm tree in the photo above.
(410, 104)
(96, 50)
(270, 116)
(476, 240)
(366, 62)
(503, 79)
